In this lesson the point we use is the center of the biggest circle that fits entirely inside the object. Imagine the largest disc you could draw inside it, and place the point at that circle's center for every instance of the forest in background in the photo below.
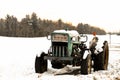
(32, 26)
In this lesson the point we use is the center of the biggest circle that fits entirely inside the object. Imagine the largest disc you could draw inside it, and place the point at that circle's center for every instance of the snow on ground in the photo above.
(17, 56)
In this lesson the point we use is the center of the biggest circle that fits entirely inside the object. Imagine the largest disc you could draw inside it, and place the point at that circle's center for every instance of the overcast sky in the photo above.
(102, 13)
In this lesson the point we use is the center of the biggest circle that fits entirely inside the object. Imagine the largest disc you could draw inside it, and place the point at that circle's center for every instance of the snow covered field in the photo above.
(17, 56)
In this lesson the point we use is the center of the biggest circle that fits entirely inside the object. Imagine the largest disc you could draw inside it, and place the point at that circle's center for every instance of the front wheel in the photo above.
(86, 65)
(40, 63)
(57, 64)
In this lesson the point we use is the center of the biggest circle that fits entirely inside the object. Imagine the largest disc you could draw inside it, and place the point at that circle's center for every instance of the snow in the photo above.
(17, 56)
(72, 33)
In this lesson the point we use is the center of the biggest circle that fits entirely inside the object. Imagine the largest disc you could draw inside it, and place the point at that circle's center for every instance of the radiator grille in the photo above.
(59, 49)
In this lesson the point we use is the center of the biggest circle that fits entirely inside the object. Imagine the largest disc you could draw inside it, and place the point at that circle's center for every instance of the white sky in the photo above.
(102, 13)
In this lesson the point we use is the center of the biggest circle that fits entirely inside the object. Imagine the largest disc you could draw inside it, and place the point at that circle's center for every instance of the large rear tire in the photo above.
(101, 60)
(40, 63)
(106, 55)
(86, 65)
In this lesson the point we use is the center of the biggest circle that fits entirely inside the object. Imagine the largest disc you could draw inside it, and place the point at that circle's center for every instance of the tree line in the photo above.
(32, 26)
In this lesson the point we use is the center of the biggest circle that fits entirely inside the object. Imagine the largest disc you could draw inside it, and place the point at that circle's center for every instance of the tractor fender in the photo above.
(98, 50)
(86, 54)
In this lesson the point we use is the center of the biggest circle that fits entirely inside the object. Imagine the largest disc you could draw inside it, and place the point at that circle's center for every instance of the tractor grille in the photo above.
(59, 49)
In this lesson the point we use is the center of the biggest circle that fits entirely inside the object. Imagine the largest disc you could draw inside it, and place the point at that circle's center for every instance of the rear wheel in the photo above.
(40, 63)
(86, 65)
(106, 55)
(101, 60)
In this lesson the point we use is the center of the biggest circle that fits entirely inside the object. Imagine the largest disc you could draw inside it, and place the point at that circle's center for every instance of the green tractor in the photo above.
(68, 48)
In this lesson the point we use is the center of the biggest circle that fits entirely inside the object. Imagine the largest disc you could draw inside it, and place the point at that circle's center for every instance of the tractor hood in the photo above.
(71, 33)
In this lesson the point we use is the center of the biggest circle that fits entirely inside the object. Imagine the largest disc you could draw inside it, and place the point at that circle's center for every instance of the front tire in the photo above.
(57, 64)
(40, 64)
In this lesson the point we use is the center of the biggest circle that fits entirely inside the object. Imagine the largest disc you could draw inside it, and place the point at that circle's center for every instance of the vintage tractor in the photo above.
(68, 48)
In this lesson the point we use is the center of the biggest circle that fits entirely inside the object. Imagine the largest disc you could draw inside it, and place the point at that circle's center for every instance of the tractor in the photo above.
(68, 47)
